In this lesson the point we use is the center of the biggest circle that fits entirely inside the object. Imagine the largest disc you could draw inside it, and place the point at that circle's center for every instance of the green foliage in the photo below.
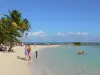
(12, 27)
(77, 43)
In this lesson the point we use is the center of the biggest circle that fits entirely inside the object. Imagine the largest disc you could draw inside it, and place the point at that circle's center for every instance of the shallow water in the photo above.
(64, 60)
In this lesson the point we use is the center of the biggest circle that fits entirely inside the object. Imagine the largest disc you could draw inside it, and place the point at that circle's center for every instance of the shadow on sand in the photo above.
(18, 57)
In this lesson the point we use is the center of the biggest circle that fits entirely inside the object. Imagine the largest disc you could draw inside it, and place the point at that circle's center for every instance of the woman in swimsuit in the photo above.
(26, 52)
(29, 52)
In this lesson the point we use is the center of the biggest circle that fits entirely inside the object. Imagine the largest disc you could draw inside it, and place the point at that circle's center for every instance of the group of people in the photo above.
(28, 52)
(81, 53)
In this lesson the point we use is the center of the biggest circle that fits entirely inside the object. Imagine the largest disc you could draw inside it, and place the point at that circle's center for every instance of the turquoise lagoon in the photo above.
(64, 60)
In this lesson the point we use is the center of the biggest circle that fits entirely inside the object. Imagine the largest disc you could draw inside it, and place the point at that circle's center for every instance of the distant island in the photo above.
(77, 43)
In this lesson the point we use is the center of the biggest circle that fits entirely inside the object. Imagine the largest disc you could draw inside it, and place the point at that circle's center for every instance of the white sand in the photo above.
(10, 65)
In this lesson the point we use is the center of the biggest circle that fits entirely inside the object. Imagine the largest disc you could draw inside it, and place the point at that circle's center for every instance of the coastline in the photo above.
(11, 65)
(41, 47)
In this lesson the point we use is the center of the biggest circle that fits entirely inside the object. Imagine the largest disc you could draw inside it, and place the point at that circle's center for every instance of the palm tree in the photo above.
(17, 21)
(16, 26)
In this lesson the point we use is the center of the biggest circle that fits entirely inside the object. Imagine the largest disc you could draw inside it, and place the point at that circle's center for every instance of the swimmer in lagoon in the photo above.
(81, 53)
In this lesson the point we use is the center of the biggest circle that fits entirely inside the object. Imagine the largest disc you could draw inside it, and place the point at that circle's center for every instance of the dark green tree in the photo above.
(12, 27)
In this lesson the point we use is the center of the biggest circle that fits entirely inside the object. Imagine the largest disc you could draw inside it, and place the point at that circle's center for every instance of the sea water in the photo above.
(64, 60)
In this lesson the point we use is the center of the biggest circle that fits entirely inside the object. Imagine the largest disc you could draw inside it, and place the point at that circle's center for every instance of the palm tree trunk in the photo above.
(11, 46)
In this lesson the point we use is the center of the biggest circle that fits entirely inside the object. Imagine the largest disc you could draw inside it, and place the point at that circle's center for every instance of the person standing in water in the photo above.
(36, 52)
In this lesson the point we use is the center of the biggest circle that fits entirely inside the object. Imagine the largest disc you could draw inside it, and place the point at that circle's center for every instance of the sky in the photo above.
(58, 20)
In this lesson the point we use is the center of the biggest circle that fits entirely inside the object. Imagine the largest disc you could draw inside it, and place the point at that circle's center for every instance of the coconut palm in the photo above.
(17, 21)
(12, 27)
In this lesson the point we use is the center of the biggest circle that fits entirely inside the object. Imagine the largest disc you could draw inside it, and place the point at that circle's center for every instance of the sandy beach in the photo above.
(11, 65)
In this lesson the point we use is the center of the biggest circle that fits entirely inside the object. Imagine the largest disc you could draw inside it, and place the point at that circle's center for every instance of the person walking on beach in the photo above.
(22, 44)
(26, 52)
(29, 52)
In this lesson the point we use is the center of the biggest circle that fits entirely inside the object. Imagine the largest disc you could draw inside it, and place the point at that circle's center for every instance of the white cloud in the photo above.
(61, 37)
(72, 33)
(60, 34)
(34, 34)
(77, 33)
(29, 34)
(39, 33)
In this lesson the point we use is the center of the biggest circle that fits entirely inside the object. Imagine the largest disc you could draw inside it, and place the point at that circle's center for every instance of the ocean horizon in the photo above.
(53, 43)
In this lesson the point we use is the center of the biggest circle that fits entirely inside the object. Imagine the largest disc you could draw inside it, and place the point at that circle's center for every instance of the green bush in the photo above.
(77, 43)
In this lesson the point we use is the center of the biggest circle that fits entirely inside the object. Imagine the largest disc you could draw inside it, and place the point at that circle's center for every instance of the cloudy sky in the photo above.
(58, 20)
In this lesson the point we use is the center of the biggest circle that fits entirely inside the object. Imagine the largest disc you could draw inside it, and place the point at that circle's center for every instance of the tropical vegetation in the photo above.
(77, 43)
(12, 27)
